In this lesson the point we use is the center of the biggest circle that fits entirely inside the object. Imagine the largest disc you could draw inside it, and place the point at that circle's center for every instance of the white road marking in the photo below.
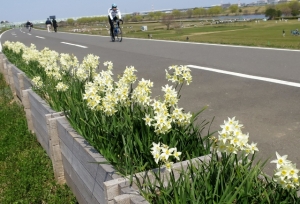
(219, 45)
(0, 40)
(74, 45)
(28, 33)
(276, 81)
(40, 37)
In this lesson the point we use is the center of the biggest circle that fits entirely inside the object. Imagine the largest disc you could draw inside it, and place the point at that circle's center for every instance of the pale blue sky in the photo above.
(23, 10)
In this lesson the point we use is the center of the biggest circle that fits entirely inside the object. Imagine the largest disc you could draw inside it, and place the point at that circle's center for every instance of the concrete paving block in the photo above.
(81, 151)
(27, 82)
(98, 194)
(83, 174)
(75, 190)
(138, 200)
(63, 128)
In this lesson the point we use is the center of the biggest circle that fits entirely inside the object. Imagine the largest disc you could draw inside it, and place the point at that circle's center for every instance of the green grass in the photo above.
(26, 174)
(263, 34)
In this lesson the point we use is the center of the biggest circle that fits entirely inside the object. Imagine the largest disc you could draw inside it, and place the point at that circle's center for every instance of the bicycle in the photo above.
(117, 32)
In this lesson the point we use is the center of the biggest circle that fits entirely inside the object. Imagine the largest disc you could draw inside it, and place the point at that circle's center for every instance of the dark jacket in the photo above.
(48, 22)
(54, 23)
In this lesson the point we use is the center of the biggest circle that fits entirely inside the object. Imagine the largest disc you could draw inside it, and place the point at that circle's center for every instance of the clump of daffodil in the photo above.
(142, 93)
(109, 65)
(61, 87)
(94, 91)
(232, 140)
(286, 173)
(37, 82)
(128, 76)
(103, 94)
(48, 59)
(87, 68)
(180, 74)
(30, 54)
(68, 62)
(91, 95)
(14, 46)
(164, 117)
(80, 74)
(90, 64)
(8, 44)
(163, 154)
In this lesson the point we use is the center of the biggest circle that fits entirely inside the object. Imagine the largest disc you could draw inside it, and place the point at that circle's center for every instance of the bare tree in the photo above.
(286, 11)
(189, 13)
(168, 20)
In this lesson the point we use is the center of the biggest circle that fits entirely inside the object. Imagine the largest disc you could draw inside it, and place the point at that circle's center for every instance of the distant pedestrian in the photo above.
(187, 38)
(54, 24)
(48, 24)
(283, 33)
(31, 26)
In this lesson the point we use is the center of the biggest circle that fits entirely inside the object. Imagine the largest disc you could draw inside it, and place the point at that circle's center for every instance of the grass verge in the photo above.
(259, 34)
(26, 174)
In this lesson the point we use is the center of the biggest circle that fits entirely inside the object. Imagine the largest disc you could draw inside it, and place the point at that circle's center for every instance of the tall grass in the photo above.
(226, 179)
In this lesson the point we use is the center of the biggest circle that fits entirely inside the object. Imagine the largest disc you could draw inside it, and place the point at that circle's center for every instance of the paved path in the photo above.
(259, 86)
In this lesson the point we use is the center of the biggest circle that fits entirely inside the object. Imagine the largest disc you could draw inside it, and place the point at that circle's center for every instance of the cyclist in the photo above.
(113, 12)
(28, 24)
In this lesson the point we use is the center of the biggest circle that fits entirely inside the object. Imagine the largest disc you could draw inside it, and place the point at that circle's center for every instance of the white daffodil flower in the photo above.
(281, 160)
(176, 154)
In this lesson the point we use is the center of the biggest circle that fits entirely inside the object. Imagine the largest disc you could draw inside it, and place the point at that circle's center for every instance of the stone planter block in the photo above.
(82, 162)
(5, 70)
(16, 80)
(27, 82)
(54, 147)
(26, 104)
(122, 186)
(11, 79)
(39, 109)
(1, 63)
(80, 190)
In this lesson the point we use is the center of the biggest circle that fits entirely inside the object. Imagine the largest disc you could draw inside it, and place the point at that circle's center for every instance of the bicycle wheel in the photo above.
(120, 34)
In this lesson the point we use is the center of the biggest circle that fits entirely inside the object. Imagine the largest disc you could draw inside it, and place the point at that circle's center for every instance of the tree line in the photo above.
(157, 16)
(285, 9)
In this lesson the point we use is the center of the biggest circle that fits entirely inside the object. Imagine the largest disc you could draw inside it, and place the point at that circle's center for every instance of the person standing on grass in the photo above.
(54, 24)
(283, 33)
(48, 24)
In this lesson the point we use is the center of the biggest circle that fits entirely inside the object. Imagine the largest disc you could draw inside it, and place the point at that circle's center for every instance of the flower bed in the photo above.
(117, 107)
(121, 121)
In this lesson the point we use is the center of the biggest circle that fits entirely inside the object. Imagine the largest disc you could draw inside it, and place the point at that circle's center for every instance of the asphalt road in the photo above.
(270, 111)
